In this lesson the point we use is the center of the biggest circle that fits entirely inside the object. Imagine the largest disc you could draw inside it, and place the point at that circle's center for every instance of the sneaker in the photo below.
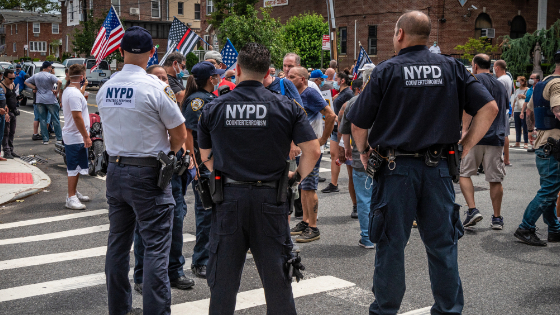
(366, 246)
(74, 203)
(36, 137)
(322, 179)
(299, 228)
(51, 135)
(8, 156)
(182, 283)
(81, 197)
(199, 271)
(59, 141)
(553, 237)
(138, 287)
(531, 150)
(45, 142)
(354, 214)
(135, 311)
(529, 237)
(414, 224)
(309, 235)
(16, 155)
(473, 216)
(497, 223)
(330, 188)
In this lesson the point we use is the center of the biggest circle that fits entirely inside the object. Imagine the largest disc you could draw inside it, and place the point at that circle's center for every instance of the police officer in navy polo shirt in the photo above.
(413, 104)
(140, 119)
(250, 215)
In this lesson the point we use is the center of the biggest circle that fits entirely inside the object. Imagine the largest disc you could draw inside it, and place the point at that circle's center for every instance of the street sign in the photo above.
(462, 2)
(326, 42)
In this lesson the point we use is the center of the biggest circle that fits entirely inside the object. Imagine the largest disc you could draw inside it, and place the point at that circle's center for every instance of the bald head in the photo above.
(413, 28)
(330, 74)
(500, 68)
(298, 75)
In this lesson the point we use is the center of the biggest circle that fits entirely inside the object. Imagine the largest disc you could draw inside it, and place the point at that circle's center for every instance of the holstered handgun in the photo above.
(454, 161)
(217, 187)
(183, 164)
(166, 169)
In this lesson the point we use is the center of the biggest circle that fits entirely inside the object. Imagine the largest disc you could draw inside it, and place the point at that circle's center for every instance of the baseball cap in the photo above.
(137, 40)
(212, 54)
(367, 66)
(46, 64)
(317, 74)
(203, 70)
(18, 66)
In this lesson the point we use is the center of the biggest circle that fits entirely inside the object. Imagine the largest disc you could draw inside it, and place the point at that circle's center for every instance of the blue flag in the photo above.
(229, 55)
(154, 59)
(363, 58)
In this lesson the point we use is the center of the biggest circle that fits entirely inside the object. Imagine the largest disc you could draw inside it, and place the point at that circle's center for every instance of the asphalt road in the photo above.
(500, 275)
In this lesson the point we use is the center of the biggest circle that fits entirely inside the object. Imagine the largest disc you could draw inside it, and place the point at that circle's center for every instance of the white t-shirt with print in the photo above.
(73, 101)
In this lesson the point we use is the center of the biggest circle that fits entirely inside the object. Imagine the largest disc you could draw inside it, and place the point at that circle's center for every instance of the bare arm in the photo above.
(329, 124)
(31, 86)
(310, 153)
(360, 137)
(347, 147)
(204, 153)
(481, 122)
(466, 123)
(79, 122)
(530, 119)
(177, 137)
(180, 96)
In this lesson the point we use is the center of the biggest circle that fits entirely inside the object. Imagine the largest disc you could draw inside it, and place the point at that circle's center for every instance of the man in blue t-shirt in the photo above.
(533, 80)
(315, 107)
(488, 151)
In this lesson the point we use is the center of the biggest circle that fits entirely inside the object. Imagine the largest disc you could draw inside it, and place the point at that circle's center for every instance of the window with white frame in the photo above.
(55, 28)
(15, 46)
(206, 39)
(155, 9)
(209, 7)
(38, 46)
(71, 11)
(74, 13)
(117, 5)
(36, 27)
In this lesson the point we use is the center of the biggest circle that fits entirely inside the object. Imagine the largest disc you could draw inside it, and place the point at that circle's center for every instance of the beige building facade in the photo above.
(188, 11)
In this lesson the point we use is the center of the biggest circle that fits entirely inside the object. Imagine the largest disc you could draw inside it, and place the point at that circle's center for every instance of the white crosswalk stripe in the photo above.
(53, 219)
(52, 236)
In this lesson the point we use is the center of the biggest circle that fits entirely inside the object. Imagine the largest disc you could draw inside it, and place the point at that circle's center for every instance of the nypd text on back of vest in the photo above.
(422, 75)
(246, 115)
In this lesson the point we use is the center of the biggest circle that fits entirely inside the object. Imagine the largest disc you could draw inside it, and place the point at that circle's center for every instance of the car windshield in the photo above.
(59, 72)
(73, 62)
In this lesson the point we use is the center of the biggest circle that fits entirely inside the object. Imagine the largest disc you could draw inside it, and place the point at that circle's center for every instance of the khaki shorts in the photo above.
(492, 160)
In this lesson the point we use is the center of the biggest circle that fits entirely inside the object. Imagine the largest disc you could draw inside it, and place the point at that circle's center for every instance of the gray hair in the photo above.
(174, 56)
(296, 57)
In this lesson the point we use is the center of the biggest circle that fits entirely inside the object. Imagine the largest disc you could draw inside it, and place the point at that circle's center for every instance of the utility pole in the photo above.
(84, 11)
(332, 29)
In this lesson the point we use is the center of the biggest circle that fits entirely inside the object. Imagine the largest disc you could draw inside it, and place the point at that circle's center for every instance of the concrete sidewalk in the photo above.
(19, 179)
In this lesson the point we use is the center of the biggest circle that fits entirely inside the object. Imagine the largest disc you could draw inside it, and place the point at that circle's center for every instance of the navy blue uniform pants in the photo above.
(203, 221)
(411, 190)
(176, 259)
(134, 199)
(249, 217)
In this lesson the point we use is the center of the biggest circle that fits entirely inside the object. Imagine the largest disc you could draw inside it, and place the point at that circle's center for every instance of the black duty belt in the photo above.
(135, 161)
(271, 184)
(416, 154)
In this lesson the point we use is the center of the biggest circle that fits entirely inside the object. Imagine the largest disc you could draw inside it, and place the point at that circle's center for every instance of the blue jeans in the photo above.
(412, 190)
(364, 186)
(520, 124)
(44, 110)
(203, 224)
(544, 202)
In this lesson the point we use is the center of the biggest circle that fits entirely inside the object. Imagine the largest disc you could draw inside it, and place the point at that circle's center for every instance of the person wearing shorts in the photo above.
(75, 135)
(489, 150)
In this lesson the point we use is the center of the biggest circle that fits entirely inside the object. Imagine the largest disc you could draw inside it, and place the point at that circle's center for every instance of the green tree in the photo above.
(84, 37)
(305, 32)
(224, 8)
(267, 31)
(192, 60)
(31, 5)
(476, 46)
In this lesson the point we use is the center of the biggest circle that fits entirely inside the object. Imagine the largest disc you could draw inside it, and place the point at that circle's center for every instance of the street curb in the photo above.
(41, 179)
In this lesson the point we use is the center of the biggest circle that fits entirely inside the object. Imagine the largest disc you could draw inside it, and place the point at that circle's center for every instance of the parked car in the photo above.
(6, 65)
(95, 77)
(34, 67)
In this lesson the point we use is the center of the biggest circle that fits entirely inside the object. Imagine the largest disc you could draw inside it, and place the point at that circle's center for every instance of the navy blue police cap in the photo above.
(137, 40)
(46, 64)
(203, 70)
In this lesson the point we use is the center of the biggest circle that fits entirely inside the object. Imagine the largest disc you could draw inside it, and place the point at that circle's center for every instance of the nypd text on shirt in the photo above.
(422, 75)
(122, 97)
(246, 115)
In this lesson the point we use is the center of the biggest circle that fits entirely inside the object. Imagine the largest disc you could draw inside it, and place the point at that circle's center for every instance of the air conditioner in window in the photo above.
(36, 35)
(134, 11)
(488, 32)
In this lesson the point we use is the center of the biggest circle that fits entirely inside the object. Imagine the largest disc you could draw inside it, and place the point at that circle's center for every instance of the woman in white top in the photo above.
(517, 100)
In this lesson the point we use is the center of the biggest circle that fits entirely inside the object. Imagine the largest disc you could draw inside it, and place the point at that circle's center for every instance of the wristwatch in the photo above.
(366, 150)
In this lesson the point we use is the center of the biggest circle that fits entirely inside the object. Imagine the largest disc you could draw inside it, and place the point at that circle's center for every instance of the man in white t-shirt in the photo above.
(435, 49)
(506, 80)
(75, 135)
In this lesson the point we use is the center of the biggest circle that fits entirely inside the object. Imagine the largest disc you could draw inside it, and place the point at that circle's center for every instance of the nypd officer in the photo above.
(140, 119)
(250, 215)
(417, 181)
(203, 81)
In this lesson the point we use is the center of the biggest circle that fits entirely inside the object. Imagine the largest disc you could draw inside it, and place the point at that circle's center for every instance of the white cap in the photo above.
(367, 66)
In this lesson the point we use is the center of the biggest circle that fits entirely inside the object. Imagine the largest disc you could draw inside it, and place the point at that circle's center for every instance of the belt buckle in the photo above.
(259, 183)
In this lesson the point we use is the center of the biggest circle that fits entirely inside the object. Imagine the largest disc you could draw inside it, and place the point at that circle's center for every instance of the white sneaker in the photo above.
(81, 197)
(74, 203)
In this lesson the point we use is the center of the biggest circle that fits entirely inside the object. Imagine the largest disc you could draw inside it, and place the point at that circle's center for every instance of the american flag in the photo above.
(154, 59)
(109, 37)
(363, 58)
(229, 55)
(180, 38)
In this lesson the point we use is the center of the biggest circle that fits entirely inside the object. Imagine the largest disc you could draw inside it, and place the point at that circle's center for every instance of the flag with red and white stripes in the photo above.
(181, 38)
(108, 39)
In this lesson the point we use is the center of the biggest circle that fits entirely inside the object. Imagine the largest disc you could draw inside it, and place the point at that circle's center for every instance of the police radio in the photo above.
(374, 162)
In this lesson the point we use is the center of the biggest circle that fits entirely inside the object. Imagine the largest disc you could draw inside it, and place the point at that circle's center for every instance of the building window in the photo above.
(71, 11)
(518, 27)
(206, 39)
(36, 28)
(55, 28)
(482, 21)
(197, 11)
(117, 5)
(15, 47)
(209, 7)
(66, 43)
(16, 28)
(343, 40)
(180, 8)
(38, 46)
(11, 30)
(157, 30)
(372, 40)
(155, 9)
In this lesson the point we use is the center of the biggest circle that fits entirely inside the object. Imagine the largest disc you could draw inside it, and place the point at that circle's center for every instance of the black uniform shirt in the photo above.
(250, 130)
(416, 99)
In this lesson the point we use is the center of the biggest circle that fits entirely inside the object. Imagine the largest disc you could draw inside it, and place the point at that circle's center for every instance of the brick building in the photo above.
(30, 34)
(453, 21)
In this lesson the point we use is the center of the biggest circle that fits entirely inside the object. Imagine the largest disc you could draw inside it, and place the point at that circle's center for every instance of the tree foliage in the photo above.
(305, 32)
(31, 5)
(267, 31)
(518, 52)
(476, 46)
(191, 60)
(223, 9)
(84, 37)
